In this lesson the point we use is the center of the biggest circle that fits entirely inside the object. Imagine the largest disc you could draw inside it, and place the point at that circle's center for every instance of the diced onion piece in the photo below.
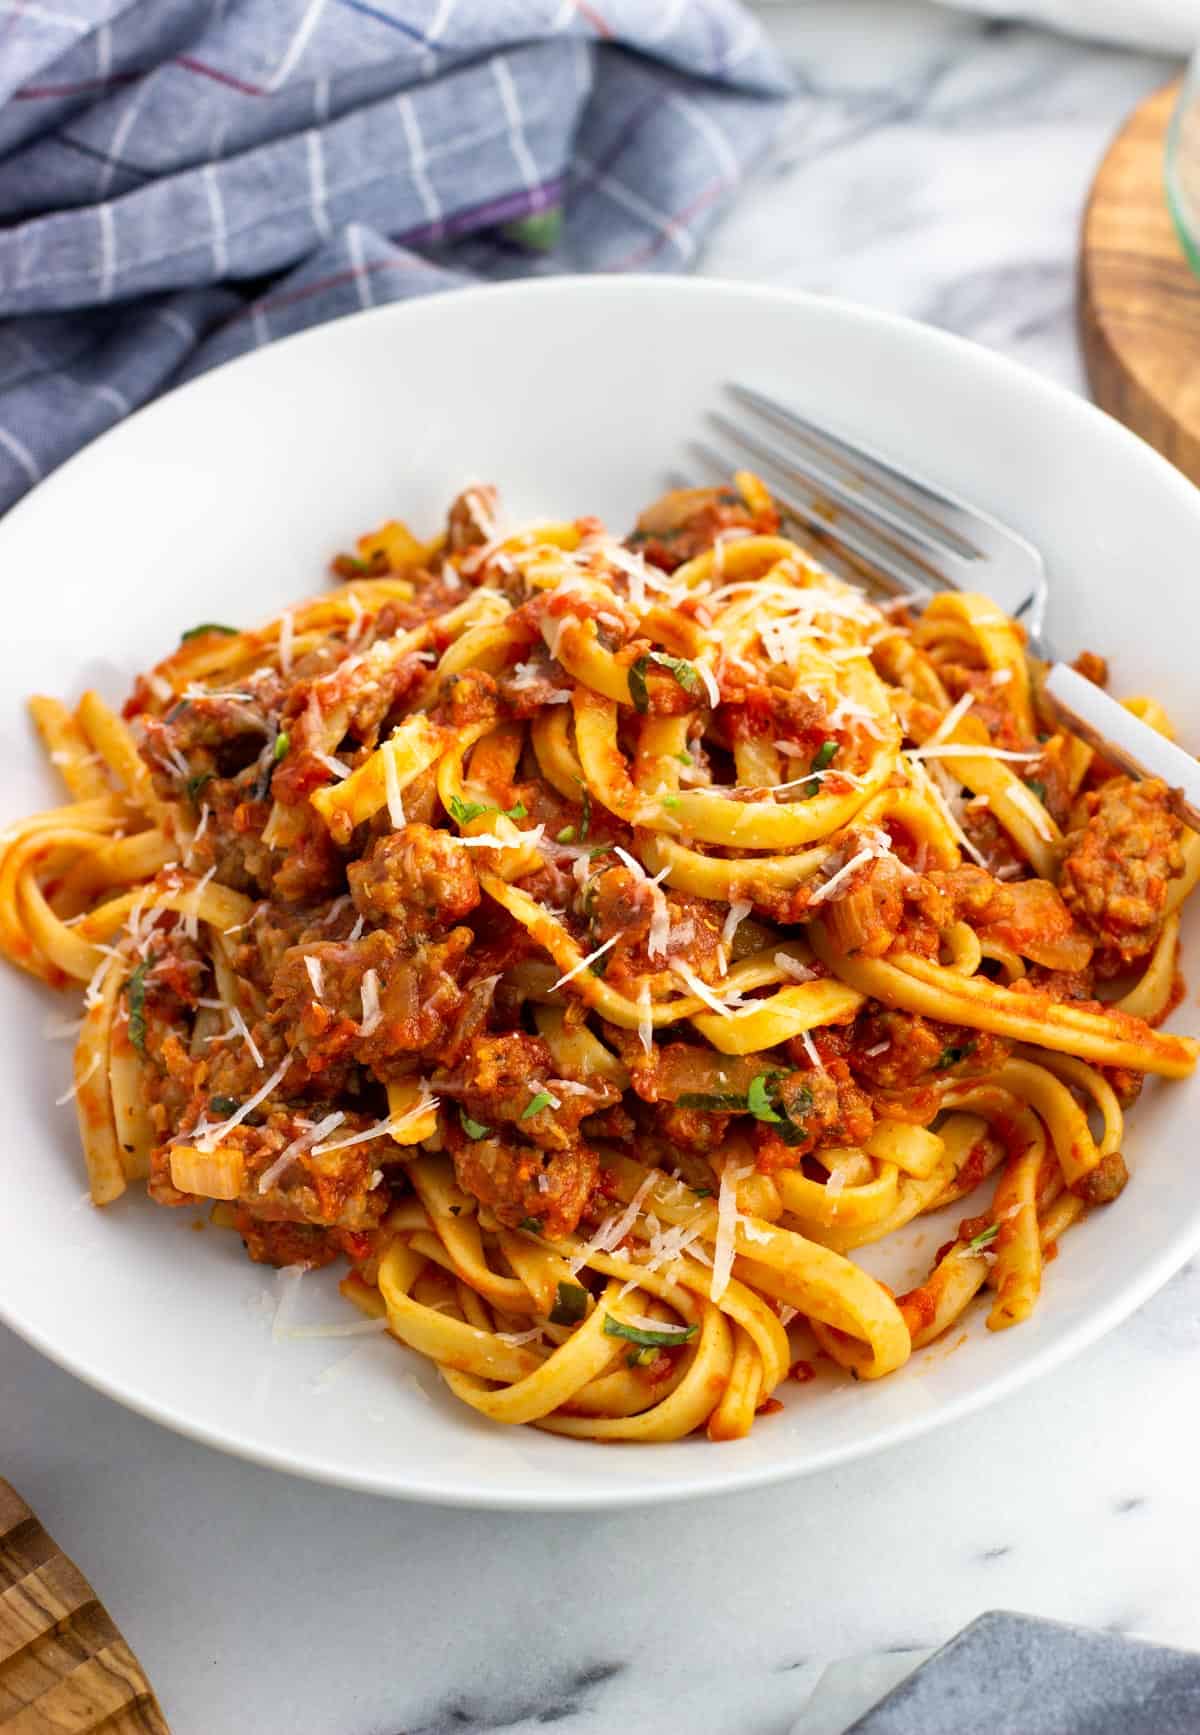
(372, 1016)
(391, 784)
(218, 1174)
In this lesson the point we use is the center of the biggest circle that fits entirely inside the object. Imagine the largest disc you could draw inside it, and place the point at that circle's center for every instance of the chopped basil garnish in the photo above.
(1037, 786)
(224, 1104)
(463, 812)
(952, 1055)
(638, 691)
(207, 627)
(473, 1129)
(665, 1339)
(566, 835)
(758, 1101)
(670, 801)
(585, 810)
(532, 1224)
(282, 742)
(730, 1102)
(684, 757)
(570, 1304)
(542, 1100)
(983, 1239)
(135, 994)
(763, 1100)
(792, 1129)
(702, 1192)
(684, 672)
(822, 760)
(195, 784)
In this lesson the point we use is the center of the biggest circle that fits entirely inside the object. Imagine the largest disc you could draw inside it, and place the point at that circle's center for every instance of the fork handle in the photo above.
(1087, 711)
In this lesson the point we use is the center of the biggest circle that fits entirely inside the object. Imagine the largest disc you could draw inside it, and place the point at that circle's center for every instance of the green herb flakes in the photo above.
(473, 1129)
(207, 627)
(570, 1304)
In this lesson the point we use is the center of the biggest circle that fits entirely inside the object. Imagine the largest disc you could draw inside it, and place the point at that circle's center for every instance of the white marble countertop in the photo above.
(937, 166)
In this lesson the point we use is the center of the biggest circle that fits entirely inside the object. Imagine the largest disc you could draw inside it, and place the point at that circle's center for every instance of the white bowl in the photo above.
(225, 501)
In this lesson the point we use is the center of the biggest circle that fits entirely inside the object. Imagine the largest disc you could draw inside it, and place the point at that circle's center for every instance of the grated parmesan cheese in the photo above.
(338, 767)
(614, 1228)
(727, 1221)
(242, 1029)
(830, 885)
(810, 1050)
(659, 934)
(966, 750)
(700, 989)
(304, 1142)
(738, 910)
(187, 854)
(794, 968)
(91, 994)
(953, 716)
(316, 975)
(392, 1123)
(930, 788)
(489, 839)
(286, 641)
(287, 1283)
(69, 1095)
(584, 963)
(667, 1245)
(1027, 803)
(339, 1328)
(372, 1016)
(191, 920)
(391, 783)
(710, 685)
(645, 1016)
(212, 1136)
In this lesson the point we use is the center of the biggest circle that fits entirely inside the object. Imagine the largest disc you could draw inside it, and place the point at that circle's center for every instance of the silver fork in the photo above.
(902, 534)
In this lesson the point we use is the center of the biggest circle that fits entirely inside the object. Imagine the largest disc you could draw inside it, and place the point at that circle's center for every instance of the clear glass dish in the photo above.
(1183, 164)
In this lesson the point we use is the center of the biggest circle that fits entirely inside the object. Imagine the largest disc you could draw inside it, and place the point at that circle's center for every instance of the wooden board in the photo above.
(64, 1667)
(1139, 299)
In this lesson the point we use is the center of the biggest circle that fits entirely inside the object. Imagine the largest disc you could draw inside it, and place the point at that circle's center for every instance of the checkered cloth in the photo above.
(184, 180)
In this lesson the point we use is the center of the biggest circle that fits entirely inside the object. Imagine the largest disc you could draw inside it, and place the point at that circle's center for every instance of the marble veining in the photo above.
(937, 165)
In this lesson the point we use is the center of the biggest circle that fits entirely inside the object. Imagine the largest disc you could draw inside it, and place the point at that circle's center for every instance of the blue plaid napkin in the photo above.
(183, 180)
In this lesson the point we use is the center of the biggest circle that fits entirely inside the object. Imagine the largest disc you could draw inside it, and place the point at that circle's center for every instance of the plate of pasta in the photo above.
(573, 1000)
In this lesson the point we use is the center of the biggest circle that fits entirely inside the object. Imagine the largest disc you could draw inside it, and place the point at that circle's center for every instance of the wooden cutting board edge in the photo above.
(65, 1669)
(1139, 299)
